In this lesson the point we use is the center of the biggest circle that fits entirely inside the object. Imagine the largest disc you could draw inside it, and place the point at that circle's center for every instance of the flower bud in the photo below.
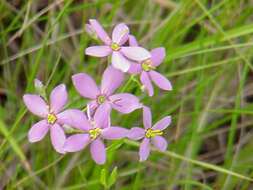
(91, 31)
(40, 88)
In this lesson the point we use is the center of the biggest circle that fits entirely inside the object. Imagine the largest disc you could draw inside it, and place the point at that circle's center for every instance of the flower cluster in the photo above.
(91, 129)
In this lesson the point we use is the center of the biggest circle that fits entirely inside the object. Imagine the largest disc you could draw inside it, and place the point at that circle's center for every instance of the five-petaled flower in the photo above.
(150, 133)
(147, 67)
(93, 132)
(111, 80)
(51, 116)
(114, 46)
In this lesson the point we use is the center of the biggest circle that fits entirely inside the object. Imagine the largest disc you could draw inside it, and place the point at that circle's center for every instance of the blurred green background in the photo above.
(208, 61)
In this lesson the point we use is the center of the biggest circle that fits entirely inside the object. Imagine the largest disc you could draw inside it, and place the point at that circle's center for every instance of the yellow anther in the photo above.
(94, 133)
(92, 123)
(152, 133)
(48, 107)
(115, 46)
(51, 118)
(51, 111)
(108, 39)
(101, 99)
(147, 65)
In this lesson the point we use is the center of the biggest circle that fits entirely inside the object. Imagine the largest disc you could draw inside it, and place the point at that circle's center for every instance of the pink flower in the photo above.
(147, 66)
(51, 117)
(111, 80)
(95, 130)
(150, 134)
(119, 53)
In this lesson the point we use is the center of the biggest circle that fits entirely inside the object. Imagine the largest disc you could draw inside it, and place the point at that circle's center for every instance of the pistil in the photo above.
(115, 46)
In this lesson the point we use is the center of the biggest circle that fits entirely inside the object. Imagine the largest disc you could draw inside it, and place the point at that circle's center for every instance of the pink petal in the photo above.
(111, 133)
(36, 105)
(57, 138)
(157, 55)
(136, 133)
(120, 34)
(76, 142)
(135, 53)
(111, 80)
(125, 102)
(144, 149)
(147, 117)
(98, 51)
(162, 124)
(102, 116)
(160, 143)
(91, 107)
(160, 80)
(120, 62)
(147, 83)
(38, 131)
(135, 68)
(132, 40)
(100, 31)
(58, 98)
(98, 153)
(85, 85)
(74, 118)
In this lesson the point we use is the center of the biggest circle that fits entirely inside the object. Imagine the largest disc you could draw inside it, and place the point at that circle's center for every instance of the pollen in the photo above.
(51, 118)
(152, 133)
(147, 65)
(101, 99)
(94, 133)
(115, 46)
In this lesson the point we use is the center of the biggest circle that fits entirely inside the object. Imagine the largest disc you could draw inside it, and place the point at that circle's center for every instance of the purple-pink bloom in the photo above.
(152, 134)
(114, 46)
(93, 132)
(147, 67)
(52, 116)
(111, 80)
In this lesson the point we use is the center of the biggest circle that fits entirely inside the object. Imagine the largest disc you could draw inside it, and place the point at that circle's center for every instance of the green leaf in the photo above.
(103, 177)
(113, 177)
(115, 145)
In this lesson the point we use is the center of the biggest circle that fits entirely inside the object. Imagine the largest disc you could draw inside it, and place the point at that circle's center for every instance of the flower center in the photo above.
(94, 133)
(101, 99)
(152, 133)
(51, 118)
(115, 46)
(147, 65)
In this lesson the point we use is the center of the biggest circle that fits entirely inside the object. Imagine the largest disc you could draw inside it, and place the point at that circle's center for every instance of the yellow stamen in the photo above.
(101, 99)
(92, 123)
(51, 118)
(115, 46)
(147, 65)
(152, 133)
(94, 133)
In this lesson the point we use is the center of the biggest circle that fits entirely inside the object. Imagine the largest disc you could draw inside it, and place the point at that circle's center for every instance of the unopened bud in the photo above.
(40, 88)
(91, 31)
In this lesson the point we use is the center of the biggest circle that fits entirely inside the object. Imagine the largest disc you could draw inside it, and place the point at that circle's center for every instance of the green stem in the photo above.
(199, 163)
